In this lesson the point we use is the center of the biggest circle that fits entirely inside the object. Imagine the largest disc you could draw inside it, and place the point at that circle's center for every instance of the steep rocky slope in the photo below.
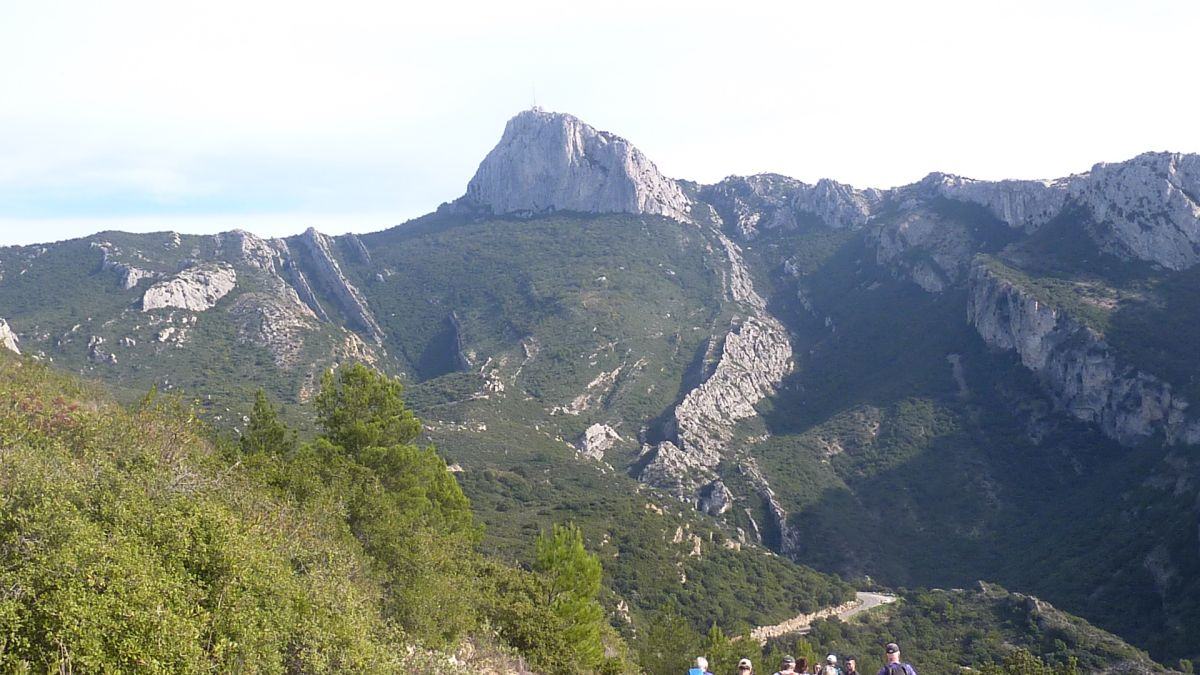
(554, 162)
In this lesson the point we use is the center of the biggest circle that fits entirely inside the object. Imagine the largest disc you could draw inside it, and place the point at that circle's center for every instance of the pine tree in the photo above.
(572, 584)
(265, 432)
(359, 408)
(669, 644)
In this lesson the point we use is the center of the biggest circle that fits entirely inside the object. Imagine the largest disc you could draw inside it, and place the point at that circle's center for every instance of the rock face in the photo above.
(195, 289)
(128, 275)
(1075, 365)
(922, 246)
(754, 358)
(329, 274)
(1147, 208)
(597, 440)
(715, 499)
(554, 162)
(8, 339)
(769, 201)
(1022, 204)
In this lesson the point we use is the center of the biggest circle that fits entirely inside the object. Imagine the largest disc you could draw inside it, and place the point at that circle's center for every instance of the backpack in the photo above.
(899, 669)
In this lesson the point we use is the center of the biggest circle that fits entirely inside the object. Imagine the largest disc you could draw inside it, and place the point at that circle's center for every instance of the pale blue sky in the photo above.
(273, 116)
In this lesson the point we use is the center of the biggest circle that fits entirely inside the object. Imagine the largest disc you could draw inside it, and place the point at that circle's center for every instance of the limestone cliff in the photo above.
(8, 339)
(555, 162)
(1147, 208)
(195, 289)
(769, 201)
(328, 274)
(1075, 365)
(755, 356)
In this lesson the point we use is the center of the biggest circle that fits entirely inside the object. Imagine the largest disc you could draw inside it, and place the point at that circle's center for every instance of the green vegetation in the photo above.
(989, 629)
(573, 577)
(129, 540)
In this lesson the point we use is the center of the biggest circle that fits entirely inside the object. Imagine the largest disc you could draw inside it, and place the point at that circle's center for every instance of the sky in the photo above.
(356, 116)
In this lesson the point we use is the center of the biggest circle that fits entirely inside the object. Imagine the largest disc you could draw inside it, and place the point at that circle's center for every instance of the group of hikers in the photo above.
(789, 666)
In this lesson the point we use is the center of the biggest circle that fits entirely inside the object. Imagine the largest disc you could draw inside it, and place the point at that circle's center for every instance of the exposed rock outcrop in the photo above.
(788, 542)
(1075, 364)
(329, 274)
(555, 162)
(770, 201)
(932, 251)
(597, 440)
(1022, 204)
(195, 289)
(715, 499)
(1147, 208)
(127, 274)
(8, 339)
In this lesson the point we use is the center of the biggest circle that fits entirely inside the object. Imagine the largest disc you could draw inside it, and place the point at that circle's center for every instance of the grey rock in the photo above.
(751, 204)
(8, 339)
(1075, 365)
(1147, 208)
(597, 440)
(195, 289)
(715, 499)
(127, 274)
(1022, 204)
(922, 246)
(555, 162)
(329, 274)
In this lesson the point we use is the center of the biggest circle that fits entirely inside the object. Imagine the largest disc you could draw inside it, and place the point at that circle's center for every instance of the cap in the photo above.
(745, 663)
(892, 648)
(789, 661)
(831, 659)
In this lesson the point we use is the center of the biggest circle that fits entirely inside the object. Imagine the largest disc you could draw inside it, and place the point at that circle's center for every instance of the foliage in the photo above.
(125, 543)
(265, 432)
(944, 631)
(1021, 662)
(668, 643)
(358, 408)
(573, 577)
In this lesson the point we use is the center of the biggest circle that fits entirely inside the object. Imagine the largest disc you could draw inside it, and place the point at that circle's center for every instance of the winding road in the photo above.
(802, 624)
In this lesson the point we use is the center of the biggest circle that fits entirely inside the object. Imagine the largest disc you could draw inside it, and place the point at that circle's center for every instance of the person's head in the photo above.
(745, 667)
(788, 663)
(702, 663)
(892, 652)
(851, 664)
(801, 665)
(831, 660)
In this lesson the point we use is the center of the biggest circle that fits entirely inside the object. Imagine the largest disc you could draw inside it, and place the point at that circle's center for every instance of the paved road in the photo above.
(866, 601)
(799, 625)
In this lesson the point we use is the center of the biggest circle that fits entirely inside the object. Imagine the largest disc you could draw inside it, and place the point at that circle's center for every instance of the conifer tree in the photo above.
(572, 584)
(265, 432)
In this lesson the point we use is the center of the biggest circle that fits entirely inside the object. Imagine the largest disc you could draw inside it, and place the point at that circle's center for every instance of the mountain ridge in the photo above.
(760, 352)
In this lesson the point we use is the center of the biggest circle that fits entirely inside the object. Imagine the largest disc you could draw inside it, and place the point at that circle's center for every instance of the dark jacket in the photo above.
(897, 669)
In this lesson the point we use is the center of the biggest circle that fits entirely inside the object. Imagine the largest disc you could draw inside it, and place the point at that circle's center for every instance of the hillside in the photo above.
(759, 374)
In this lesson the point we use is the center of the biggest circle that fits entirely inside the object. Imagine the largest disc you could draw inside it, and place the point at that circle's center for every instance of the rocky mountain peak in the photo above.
(1147, 207)
(768, 201)
(549, 161)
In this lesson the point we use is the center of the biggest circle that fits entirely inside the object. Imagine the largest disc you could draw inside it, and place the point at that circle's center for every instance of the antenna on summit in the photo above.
(534, 107)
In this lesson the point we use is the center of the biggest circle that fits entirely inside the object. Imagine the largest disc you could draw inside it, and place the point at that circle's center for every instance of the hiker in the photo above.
(892, 663)
(851, 666)
(787, 666)
(745, 667)
(830, 667)
(701, 667)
